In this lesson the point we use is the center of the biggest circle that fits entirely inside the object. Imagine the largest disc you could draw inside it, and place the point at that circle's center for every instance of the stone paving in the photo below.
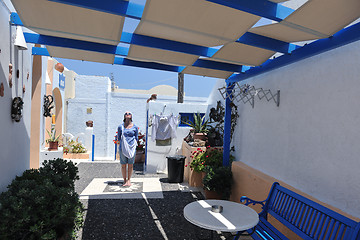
(151, 209)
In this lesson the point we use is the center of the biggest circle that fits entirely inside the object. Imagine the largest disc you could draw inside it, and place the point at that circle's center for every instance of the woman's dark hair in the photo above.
(125, 118)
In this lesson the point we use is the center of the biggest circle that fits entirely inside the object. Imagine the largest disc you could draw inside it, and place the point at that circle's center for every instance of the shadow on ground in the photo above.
(150, 219)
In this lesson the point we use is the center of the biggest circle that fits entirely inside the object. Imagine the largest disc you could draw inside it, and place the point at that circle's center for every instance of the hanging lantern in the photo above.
(59, 67)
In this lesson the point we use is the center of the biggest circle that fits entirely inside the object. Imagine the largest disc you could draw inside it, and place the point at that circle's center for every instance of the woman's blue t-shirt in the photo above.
(130, 134)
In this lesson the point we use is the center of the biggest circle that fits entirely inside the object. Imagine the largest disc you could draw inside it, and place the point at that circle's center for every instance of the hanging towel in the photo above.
(164, 127)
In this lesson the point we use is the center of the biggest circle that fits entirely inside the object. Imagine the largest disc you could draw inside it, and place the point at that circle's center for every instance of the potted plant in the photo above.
(53, 140)
(200, 158)
(218, 182)
(215, 125)
(211, 157)
(199, 125)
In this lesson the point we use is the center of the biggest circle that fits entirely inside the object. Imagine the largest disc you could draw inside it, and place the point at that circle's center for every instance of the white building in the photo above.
(95, 100)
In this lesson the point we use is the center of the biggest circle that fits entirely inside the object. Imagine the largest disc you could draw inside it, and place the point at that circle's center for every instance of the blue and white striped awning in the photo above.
(215, 38)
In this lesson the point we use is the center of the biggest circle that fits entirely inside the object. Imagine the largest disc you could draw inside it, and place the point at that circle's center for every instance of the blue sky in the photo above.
(141, 78)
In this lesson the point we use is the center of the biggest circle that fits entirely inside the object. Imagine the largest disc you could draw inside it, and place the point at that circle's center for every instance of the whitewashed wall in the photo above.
(312, 140)
(14, 136)
(90, 92)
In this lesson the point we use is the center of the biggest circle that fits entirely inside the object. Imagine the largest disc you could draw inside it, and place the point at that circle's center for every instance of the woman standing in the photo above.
(127, 140)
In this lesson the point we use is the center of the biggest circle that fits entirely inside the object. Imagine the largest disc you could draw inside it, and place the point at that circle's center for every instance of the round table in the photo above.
(234, 217)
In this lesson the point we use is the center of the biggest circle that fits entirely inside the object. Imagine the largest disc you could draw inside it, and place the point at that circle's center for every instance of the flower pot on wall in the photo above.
(53, 146)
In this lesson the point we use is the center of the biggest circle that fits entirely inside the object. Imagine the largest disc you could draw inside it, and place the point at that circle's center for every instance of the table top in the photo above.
(234, 217)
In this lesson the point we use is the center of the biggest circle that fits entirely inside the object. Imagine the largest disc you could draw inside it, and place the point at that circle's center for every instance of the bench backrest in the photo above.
(307, 218)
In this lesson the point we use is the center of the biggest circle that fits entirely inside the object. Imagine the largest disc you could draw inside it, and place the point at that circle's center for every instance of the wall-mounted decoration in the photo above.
(17, 73)
(88, 110)
(1, 90)
(48, 105)
(24, 88)
(10, 74)
(27, 75)
(59, 67)
(61, 81)
(16, 108)
(247, 94)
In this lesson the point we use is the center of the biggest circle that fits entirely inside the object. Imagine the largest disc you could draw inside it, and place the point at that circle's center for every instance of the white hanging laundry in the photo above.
(164, 127)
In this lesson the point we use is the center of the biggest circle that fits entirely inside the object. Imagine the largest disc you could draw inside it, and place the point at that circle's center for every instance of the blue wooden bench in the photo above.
(306, 218)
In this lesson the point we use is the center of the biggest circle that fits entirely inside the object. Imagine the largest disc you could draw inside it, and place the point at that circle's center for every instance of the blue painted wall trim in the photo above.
(341, 38)
(119, 7)
(227, 127)
(262, 8)
(271, 44)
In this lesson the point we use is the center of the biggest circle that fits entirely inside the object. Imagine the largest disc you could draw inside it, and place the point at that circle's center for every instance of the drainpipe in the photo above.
(227, 125)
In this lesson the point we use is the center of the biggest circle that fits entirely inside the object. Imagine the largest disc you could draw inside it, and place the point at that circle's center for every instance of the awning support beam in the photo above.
(341, 38)
(118, 7)
(262, 8)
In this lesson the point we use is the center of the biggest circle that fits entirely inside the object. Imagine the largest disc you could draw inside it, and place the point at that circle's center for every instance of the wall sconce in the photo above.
(19, 39)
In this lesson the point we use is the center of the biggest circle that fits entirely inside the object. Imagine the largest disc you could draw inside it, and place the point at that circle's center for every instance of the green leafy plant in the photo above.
(216, 123)
(199, 124)
(52, 136)
(75, 147)
(42, 203)
(218, 179)
(211, 157)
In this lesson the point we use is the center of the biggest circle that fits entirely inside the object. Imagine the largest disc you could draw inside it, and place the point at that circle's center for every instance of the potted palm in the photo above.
(199, 125)
(53, 140)
(217, 182)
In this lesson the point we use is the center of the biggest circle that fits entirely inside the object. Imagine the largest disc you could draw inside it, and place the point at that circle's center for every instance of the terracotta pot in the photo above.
(212, 195)
(201, 136)
(53, 146)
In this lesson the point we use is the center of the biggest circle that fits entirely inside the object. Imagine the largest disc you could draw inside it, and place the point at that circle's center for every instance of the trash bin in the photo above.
(176, 168)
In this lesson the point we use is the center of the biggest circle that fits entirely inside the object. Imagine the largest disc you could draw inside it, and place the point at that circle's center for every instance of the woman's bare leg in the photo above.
(123, 171)
(130, 170)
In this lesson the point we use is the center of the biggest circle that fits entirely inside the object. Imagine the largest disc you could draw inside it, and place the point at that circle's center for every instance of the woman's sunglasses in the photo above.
(127, 114)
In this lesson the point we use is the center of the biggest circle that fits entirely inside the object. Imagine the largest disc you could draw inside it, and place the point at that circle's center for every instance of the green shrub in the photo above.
(42, 204)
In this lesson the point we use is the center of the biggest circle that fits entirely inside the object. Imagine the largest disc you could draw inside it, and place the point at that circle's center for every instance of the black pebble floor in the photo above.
(154, 219)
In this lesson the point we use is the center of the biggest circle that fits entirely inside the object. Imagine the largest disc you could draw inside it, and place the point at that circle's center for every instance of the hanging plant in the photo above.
(16, 108)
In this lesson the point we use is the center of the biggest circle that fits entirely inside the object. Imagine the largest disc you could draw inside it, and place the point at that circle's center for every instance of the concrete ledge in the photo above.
(76, 156)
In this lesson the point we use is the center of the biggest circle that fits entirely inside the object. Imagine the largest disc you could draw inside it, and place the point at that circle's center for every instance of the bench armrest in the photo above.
(247, 201)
